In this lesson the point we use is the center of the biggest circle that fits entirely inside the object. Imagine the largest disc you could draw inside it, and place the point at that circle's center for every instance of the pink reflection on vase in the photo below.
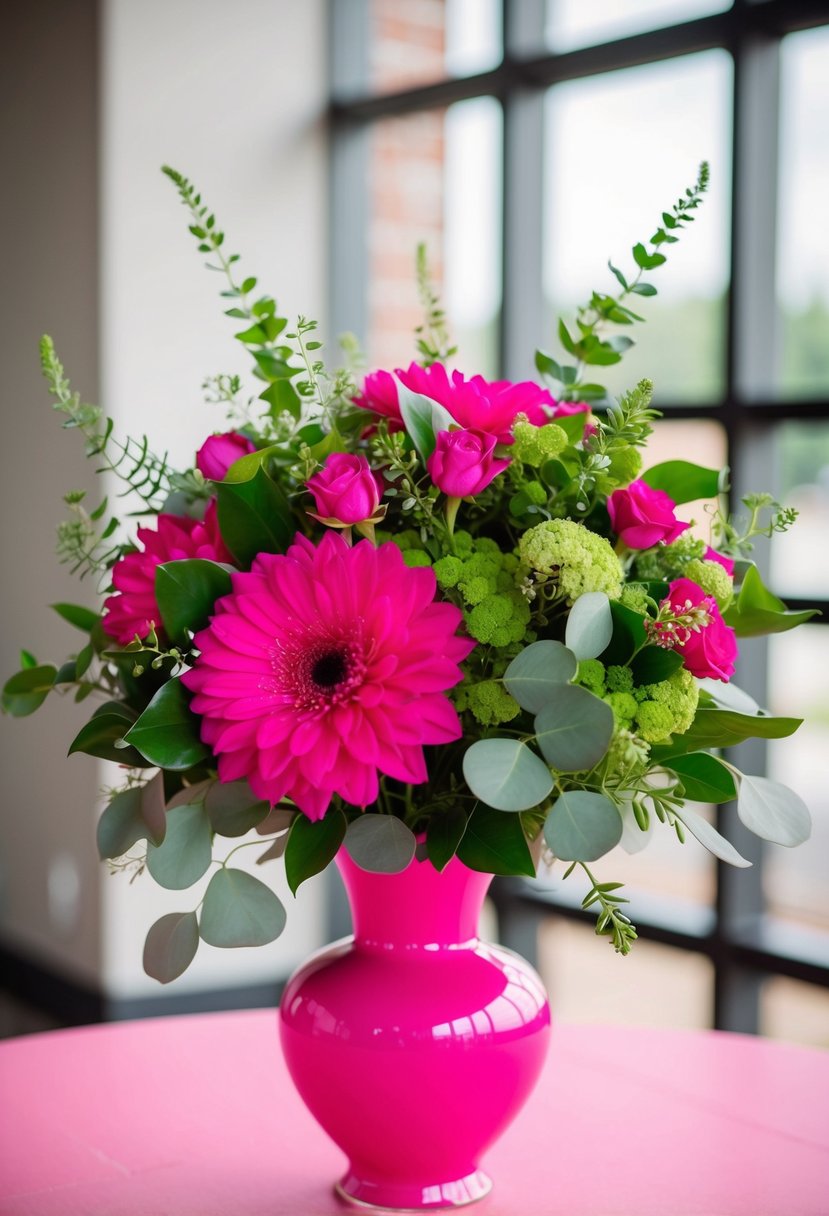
(413, 1043)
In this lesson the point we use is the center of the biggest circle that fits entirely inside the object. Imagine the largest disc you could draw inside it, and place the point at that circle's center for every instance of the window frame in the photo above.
(744, 943)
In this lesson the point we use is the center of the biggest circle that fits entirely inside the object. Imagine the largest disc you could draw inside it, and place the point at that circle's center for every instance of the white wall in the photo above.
(233, 95)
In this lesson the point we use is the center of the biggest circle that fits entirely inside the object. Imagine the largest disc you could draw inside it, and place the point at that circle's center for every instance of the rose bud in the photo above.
(463, 462)
(219, 452)
(642, 517)
(346, 491)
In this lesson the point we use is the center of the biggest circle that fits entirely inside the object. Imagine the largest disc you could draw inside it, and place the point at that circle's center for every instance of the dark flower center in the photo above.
(329, 669)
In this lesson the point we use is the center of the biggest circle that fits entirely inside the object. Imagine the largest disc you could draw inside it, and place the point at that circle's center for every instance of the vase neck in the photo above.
(419, 908)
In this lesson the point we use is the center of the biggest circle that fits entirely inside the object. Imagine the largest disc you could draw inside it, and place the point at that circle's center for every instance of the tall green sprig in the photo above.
(586, 345)
(434, 343)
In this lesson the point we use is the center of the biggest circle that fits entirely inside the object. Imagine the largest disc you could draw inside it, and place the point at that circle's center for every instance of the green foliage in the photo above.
(535, 673)
(171, 946)
(611, 922)
(381, 844)
(756, 611)
(585, 344)
(704, 777)
(311, 845)
(26, 691)
(254, 517)
(167, 732)
(506, 775)
(582, 826)
(239, 910)
(574, 729)
(683, 481)
(589, 625)
(494, 843)
(186, 851)
(433, 341)
(444, 835)
(185, 592)
(773, 811)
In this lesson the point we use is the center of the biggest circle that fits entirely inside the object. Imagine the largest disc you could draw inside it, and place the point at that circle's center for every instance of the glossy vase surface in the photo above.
(413, 1043)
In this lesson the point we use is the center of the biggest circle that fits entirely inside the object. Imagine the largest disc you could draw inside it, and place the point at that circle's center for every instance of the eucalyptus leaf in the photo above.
(534, 673)
(311, 845)
(186, 592)
(121, 825)
(773, 811)
(167, 733)
(710, 838)
(186, 851)
(582, 826)
(574, 730)
(240, 910)
(275, 850)
(233, 809)
(494, 843)
(589, 625)
(381, 844)
(171, 946)
(506, 774)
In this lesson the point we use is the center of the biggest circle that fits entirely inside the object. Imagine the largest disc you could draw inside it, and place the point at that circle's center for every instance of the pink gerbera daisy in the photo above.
(133, 610)
(475, 404)
(324, 667)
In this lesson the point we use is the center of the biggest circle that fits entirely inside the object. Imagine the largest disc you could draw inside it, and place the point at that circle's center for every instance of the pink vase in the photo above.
(414, 1044)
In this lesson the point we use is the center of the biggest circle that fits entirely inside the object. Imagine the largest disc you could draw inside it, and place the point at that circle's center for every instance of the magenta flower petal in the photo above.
(325, 667)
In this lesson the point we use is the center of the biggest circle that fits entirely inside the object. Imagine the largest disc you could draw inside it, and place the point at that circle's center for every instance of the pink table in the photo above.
(196, 1116)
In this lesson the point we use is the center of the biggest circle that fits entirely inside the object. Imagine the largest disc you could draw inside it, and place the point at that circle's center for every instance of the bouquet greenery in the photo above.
(421, 615)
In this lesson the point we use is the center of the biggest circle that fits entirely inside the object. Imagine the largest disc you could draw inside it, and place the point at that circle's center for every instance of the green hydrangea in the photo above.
(635, 597)
(499, 619)
(534, 445)
(573, 557)
(667, 562)
(624, 708)
(448, 571)
(591, 675)
(619, 679)
(490, 703)
(416, 557)
(654, 721)
(714, 580)
(667, 708)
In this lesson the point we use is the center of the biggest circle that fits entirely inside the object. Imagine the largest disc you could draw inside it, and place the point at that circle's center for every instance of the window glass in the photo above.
(654, 986)
(802, 250)
(795, 879)
(413, 44)
(575, 23)
(619, 149)
(795, 1011)
(800, 559)
(425, 169)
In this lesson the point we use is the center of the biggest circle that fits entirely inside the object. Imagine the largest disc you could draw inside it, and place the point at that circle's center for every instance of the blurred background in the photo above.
(526, 141)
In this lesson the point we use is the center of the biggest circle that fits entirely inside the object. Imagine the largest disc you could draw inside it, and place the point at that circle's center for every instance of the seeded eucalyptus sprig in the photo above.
(587, 347)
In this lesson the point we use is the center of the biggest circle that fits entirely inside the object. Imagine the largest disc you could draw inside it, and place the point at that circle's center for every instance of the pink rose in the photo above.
(345, 489)
(642, 517)
(463, 462)
(219, 452)
(711, 652)
(727, 563)
(132, 609)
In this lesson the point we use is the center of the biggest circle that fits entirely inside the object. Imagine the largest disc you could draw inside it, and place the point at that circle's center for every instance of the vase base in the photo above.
(409, 1197)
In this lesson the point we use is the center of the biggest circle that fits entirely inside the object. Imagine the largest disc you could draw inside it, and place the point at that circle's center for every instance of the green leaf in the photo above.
(756, 611)
(28, 660)
(167, 733)
(121, 824)
(239, 910)
(312, 844)
(443, 836)
(683, 481)
(536, 671)
(254, 517)
(381, 844)
(186, 592)
(565, 339)
(548, 366)
(574, 730)
(28, 689)
(643, 289)
(494, 843)
(233, 809)
(82, 618)
(102, 736)
(423, 418)
(653, 664)
(647, 261)
(171, 946)
(573, 427)
(186, 851)
(704, 778)
(506, 774)
(724, 728)
(282, 398)
(582, 826)
(773, 811)
(247, 466)
(710, 838)
(589, 626)
(628, 635)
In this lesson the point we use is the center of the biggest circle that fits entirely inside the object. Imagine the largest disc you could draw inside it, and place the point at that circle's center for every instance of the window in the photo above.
(511, 135)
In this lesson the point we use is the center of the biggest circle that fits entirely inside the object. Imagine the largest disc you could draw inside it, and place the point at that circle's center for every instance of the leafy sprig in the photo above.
(585, 344)
(611, 922)
(735, 536)
(433, 340)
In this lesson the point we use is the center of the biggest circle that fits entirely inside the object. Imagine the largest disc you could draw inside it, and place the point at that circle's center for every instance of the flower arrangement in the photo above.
(423, 614)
